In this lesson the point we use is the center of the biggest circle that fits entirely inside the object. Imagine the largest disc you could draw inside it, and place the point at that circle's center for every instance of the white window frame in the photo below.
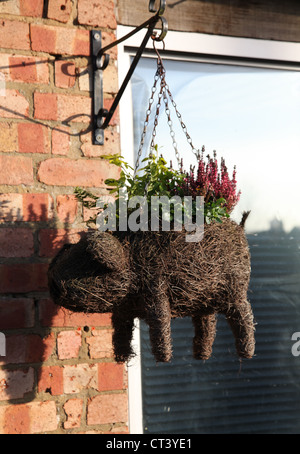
(188, 47)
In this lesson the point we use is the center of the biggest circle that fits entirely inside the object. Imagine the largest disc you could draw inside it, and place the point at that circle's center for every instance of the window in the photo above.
(245, 104)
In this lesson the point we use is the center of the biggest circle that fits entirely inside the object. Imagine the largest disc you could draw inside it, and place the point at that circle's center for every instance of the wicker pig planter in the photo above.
(157, 276)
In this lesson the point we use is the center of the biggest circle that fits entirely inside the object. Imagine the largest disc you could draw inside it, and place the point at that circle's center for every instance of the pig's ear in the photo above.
(107, 250)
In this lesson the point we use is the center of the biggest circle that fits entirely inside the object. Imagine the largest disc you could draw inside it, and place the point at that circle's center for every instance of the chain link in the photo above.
(164, 93)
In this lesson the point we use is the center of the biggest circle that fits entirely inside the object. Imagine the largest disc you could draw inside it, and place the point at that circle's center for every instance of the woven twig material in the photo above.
(157, 276)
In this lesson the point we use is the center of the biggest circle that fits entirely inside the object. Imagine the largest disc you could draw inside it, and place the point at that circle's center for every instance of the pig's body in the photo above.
(157, 276)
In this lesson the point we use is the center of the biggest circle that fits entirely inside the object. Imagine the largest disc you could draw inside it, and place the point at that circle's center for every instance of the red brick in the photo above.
(68, 344)
(45, 106)
(111, 144)
(14, 384)
(32, 8)
(11, 207)
(61, 140)
(52, 315)
(67, 207)
(15, 170)
(64, 74)
(13, 104)
(23, 278)
(29, 348)
(17, 420)
(50, 379)
(16, 242)
(74, 108)
(73, 409)
(50, 106)
(59, 40)
(8, 137)
(37, 207)
(108, 409)
(33, 138)
(80, 377)
(59, 10)
(52, 240)
(107, 103)
(14, 35)
(28, 69)
(67, 172)
(99, 13)
(110, 376)
(100, 344)
(30, 418)
(43, 417)
(16, 313)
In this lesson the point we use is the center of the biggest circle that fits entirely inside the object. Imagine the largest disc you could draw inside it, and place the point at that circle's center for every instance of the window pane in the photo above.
(251, 117)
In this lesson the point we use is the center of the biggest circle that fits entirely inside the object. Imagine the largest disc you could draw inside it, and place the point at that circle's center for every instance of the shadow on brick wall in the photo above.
(30, 236)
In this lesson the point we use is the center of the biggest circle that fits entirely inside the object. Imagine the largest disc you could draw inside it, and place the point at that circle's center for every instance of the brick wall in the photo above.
(58, 375)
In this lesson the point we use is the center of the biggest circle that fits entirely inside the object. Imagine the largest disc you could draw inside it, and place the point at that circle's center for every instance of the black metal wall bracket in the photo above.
(101, 116)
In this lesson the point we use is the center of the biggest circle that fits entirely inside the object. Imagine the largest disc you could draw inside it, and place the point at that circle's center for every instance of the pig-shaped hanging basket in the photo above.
(157, 276)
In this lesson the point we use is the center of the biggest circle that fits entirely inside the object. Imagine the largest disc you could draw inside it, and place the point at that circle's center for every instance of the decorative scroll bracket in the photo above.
(101, 116)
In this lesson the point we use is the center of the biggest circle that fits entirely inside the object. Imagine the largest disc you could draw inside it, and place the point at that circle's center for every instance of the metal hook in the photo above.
(164, 30)
(161, 9)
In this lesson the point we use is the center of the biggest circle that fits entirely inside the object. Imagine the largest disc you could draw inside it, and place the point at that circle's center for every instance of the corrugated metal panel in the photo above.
(222, 395)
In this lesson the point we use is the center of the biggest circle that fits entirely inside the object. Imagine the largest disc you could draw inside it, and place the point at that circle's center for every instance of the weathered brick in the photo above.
(67, 207)
(13, 104)
(74, 108)
(67, 172)
(51, 106)
(73, 409)
(100, 344)
(31, 348)
(8, 137)
(50, 379)
(68, 344)
(51, 240)
(100, 13)
(43, 417)
(33, 138)
(52, 315)
(16, 242)
(32, 8)
(61, 140)
(65, 74)
(16, 420)
(15, 170)
(16, 313)
(27, 69)
(108, 409)
(14, 35)
(110, 376)
(23, 278)
(80, 377)
(59, 10)
(37, 207)
(30, 418)
(45, 106)
(111, 144)
(59, 40)
(11, 207)
(14, 384)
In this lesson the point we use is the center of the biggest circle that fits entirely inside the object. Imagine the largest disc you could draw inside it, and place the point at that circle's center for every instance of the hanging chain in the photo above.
(146, 122)
(164, 93)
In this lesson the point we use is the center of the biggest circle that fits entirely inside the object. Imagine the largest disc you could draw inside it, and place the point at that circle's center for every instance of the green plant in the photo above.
(155, 178)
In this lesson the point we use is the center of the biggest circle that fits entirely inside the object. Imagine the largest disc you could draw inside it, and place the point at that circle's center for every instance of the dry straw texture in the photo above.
(157, 276)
